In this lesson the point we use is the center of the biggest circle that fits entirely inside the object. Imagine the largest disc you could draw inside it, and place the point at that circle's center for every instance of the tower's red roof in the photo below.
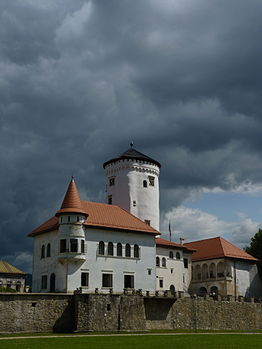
(72, 202)
(217, 248)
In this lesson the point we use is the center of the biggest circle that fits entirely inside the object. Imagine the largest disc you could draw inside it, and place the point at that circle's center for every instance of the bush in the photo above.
(7, 289)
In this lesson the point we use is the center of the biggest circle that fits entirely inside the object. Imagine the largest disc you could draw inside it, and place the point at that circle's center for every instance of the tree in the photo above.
(255, 249)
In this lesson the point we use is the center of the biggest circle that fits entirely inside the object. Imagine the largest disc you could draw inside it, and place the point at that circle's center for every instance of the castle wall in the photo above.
(112, 312)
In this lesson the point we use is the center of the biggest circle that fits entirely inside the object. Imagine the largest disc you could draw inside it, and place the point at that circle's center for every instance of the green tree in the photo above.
(255, 249)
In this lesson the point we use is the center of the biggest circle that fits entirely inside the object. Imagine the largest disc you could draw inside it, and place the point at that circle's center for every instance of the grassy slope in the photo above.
(210, 341)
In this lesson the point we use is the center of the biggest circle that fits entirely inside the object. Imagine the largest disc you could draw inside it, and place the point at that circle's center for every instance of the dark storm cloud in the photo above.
(80, 79)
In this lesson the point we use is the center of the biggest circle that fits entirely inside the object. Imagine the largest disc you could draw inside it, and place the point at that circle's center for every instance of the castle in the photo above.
(116, 246)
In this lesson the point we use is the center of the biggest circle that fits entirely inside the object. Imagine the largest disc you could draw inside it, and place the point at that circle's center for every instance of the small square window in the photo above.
(147, 221)
(107, 280)
(149, 271)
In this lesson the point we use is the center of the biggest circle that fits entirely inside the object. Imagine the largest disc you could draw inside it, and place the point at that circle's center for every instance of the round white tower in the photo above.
(132, 183)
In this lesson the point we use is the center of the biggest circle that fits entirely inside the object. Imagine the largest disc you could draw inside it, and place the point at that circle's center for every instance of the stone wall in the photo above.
(36, 313)
(111, 312)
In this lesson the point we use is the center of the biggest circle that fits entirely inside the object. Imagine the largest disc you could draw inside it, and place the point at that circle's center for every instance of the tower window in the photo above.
(62, 245)
(82, 246)
(151, 180)
(73, 245)
(145, 184)
(134, 203)
(147, 221)
(109, 199)
(157, 262)
(111, 181)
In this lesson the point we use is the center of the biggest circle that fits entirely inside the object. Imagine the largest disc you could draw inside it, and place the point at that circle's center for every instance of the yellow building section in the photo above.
(9, 269)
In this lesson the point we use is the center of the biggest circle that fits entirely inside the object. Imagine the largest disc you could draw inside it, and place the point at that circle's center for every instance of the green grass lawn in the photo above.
(188, 341)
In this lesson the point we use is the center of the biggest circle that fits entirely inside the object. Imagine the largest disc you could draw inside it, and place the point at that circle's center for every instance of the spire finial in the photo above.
(131, 144)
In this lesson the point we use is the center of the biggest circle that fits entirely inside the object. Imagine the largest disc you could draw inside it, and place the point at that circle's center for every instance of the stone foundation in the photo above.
(111, 312)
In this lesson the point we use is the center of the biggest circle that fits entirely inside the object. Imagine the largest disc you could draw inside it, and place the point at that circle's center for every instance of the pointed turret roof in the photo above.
(72, 202)
(133, 154)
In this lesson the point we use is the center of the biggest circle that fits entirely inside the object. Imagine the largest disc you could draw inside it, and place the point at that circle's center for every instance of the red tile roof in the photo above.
(217, 248)
(166, 243)
(102, 216)
(72, 202)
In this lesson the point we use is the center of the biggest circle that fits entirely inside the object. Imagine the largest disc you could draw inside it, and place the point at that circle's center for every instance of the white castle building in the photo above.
(116, 246)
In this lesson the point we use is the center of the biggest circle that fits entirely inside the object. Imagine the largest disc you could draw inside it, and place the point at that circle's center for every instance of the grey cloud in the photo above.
(80, 79)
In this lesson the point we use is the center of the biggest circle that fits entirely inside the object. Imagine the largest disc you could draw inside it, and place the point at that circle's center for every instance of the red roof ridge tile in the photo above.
(164, 242)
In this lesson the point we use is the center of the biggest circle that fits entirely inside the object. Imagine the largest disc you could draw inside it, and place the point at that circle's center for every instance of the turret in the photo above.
(132, 183)
(71, 217)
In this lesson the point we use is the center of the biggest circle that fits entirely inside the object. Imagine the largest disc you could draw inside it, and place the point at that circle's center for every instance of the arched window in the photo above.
(202, 292)
(48, 250)
(163, 262)
(110, 249)
(157, 262)
(177, 255)
(136, 251)
(119, 250)
(145, 184)
(212, 271)
(128, 250)
(43, 251)
(101, 248)
(171, 254)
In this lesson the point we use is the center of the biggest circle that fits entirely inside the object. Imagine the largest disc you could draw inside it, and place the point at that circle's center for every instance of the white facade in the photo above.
(173, 269)
(134, 185)
(84, 266)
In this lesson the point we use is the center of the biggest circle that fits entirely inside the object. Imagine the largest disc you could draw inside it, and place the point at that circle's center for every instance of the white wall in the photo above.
(180, 277)
(129, 176)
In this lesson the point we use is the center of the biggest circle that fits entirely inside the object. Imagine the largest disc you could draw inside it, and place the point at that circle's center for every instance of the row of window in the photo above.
(151, 181)
(107, 281)
(163, 262)
(119, 249)
(74, 246)
(46, 251)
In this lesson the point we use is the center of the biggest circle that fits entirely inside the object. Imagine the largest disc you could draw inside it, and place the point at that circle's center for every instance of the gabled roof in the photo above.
(132, 154)
(102, 216)
(170, 244)
(6, 268)
(217, 248)
(72, 202)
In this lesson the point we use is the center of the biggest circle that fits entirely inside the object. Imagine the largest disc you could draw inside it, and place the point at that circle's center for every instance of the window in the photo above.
(107, 280)
(119, 249)
(44, 282)
(84, 279)
(161, 283)
(128, 281)
(110, 249)
(177, 255)
(163, 262)
(157, 262)
(145, 184)
(171, 270)
(147, 221)
(68, 219)
(101, 248)
(109, 200)
(62, 245)
(43, 251)
(128, 250)
(73, 245)
(183, 278)
(149, 271)
(111, 181)
(171, 254)
(136, 251)
(151, 180)
(77, 219)
(134, 203)
(185, 263)
(48, 250)
(82, 246)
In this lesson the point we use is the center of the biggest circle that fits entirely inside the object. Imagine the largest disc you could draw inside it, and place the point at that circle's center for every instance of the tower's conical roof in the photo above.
(72, 202)
(132, 154)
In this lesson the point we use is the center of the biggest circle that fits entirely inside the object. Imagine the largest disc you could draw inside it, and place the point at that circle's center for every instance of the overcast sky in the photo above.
(182, 79)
